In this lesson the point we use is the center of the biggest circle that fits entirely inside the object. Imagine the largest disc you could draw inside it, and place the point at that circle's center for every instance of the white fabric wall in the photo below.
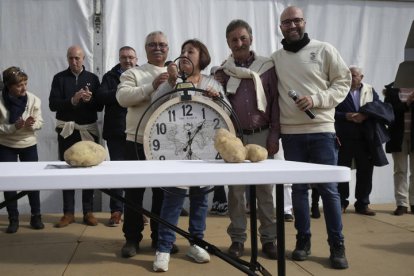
(35, 34)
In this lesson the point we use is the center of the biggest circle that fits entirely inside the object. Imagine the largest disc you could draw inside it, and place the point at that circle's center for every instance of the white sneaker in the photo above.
(161, 261)
(198, 254)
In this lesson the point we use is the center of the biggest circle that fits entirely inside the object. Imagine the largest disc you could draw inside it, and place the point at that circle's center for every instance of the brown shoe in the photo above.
(270, 250)
(115, 219)
(365, 211)
(236, 249)
(89, 219)
(64, 221)
(401, 210)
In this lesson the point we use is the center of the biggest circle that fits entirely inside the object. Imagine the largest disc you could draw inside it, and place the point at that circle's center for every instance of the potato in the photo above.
(229, 146)
(85, 154)
(256, 153)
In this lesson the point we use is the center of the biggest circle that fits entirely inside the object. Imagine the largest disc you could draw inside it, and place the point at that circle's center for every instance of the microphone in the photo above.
(294, 96)
(167, 63)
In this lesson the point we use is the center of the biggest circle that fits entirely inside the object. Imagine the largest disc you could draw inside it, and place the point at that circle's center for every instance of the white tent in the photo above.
(35, 34)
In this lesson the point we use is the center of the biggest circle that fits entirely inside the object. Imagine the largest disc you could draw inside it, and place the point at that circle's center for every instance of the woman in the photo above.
(199, 56)
(20, 117)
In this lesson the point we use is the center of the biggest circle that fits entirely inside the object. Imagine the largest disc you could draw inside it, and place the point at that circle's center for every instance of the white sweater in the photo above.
(25, 136)
(316, 70)
(134, 92)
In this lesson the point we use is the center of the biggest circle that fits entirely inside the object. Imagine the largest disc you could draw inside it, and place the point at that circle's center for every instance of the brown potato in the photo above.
(256, 153)
(229, 146)
(85, 154)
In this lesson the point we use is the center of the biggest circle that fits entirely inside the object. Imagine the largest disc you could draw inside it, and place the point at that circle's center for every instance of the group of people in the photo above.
(259, 90)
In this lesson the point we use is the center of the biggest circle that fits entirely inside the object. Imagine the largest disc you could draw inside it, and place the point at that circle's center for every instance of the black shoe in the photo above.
(288, 217)
(401, 210)
(184, 213)
(129, 249)
(174, 248)
(236, 249)
(315, 213)
(36, 222)
(302, 249)
(365, 211)
(13, 225)
(270, 250)
(337, 257)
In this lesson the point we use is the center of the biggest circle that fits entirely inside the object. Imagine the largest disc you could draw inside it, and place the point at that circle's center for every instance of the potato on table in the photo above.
(85, 154)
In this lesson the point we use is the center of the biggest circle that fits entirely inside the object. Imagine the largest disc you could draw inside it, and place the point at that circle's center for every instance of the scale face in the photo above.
(185, 129)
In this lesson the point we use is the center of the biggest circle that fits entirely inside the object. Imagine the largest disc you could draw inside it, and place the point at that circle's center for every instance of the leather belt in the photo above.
(256, 130)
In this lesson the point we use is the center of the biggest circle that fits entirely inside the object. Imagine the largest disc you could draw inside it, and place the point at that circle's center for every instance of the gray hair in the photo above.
(154, 33)
(356, 68)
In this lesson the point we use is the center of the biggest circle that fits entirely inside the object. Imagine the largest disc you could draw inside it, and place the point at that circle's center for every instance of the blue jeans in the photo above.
(171, 209)
(319, 148)
(29, 154)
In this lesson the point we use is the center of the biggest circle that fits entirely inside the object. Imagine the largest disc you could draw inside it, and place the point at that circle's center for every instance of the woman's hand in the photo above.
(29, 122)
(211, 92)
(19, 123)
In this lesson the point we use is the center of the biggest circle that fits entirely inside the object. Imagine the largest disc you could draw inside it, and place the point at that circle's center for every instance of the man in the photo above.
(114, 121)
(251, 86)
(134, 92)
(72, 96)
(316, 71)
(401, 145)
(350, 128)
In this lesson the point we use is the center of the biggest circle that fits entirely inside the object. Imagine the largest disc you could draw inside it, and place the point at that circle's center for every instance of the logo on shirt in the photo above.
(312, 56)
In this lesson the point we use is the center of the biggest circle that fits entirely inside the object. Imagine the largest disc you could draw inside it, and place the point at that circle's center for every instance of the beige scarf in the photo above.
(258, 67)
(84, 130)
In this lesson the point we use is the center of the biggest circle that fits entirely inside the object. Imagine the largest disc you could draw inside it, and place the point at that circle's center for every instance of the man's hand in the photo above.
(83, 94)
(272, 148)
(304, 103)
(86, 95)
(356, 117)
(159, 80)
(172, 71)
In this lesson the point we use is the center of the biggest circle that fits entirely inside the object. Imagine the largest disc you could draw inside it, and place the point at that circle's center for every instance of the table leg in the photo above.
(280, 227)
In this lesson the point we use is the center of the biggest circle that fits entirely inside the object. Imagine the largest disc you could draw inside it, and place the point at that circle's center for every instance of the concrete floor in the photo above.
(380, 245)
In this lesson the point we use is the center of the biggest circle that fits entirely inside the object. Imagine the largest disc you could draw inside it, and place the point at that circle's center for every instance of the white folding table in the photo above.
(55, 175)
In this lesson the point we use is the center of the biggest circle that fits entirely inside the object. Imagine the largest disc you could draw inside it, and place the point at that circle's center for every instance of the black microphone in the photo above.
(167, 63)
(294, 96)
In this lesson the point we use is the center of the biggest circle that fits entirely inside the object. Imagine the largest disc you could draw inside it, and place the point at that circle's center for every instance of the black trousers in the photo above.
(357, 150)
(133, 222)
(69, 195)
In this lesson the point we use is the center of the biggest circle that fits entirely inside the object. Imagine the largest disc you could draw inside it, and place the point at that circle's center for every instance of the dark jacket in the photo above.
(396, 129)
(64, 86)
(114, 118)
(380, 115)
(346, 129)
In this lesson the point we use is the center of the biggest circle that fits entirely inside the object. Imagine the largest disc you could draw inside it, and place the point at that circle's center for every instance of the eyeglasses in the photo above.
(288, 22)
(18, 71)
(155, 45)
